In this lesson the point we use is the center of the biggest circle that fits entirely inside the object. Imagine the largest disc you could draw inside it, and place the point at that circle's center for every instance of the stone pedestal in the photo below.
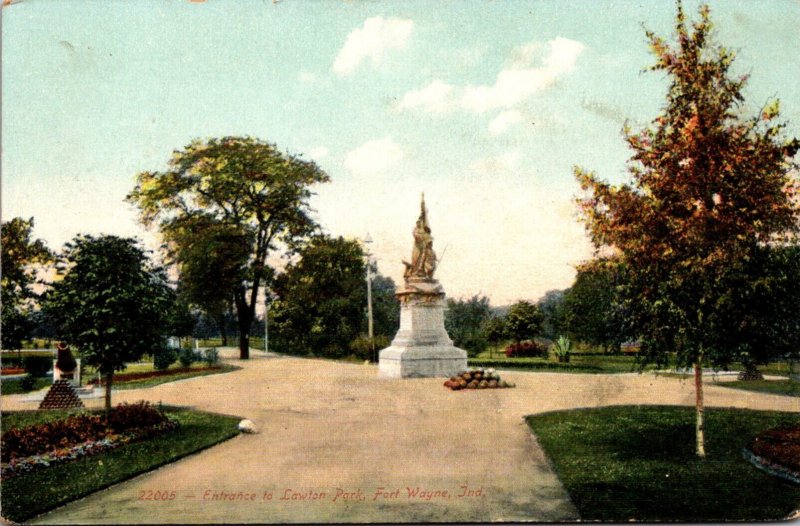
(422, 347)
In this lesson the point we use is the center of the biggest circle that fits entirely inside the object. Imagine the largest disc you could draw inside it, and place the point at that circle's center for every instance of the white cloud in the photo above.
(499, 164)
(520, 80)
(435, 98)
(502, 122)
(377, 36)
(373, 157)
(320, 152)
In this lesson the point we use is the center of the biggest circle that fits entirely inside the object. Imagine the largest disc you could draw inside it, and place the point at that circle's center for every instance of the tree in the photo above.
(710, 188)
(385, 306)
(494, 331)
(19, 256)
(242, 186)
(212, 260)
(464, 321)
(759, 313)
(552, 307)
(591, 307)
(523, 321)
(322, 298)
(112, 303)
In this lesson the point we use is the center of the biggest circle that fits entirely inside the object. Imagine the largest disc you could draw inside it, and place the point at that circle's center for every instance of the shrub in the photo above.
(562, 349)
(132, 416)
(526, 349)
(38, 365)
(164, 358)
(360, 347)
(27, 382)
(211, 356)
(187, 357)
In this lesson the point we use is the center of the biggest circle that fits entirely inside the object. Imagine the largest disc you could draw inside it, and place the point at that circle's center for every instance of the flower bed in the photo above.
(777, 451)
(41, 445)
(129, 377)
(12, 370)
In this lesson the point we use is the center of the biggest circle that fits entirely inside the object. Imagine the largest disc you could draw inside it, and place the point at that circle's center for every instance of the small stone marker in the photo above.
(248, 426)
(61, 395)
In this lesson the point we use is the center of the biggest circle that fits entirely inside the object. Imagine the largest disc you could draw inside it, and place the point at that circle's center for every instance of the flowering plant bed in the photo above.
(777, 451)
(130, 377)
(77, 436)
(476, 379)
(12, 370)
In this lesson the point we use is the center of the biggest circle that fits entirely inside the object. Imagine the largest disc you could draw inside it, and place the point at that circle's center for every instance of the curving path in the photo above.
(329, 428)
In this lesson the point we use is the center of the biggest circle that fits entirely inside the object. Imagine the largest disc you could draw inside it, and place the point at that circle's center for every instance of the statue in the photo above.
(423, 258)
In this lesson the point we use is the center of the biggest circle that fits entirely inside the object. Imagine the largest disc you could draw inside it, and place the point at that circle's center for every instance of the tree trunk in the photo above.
(244, 315)
(699, 422)
(244, 340)
(222, 331)
(109, 381)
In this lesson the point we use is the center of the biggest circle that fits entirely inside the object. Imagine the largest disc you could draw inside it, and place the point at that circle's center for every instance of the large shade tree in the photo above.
(321, 298)
(20, 256)
(111, 304)
(710, 187)
(242, 186)
(591, 307)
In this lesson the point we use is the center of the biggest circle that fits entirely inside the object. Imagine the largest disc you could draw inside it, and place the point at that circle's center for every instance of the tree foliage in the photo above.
(552, 307)
(464, 321)
(523, 321)
(591, 309)
(240, 187)
(112, 304)
(19, 256)
(322, 299)
(710, 188)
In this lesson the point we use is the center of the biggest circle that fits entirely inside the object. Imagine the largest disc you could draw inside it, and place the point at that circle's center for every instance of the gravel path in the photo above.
(339, 444)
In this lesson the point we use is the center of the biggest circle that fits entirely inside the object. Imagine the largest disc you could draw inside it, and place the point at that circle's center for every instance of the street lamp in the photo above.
(266, 320)
(367, 241)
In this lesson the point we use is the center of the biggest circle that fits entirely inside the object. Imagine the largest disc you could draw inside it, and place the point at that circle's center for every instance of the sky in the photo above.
(485, 106)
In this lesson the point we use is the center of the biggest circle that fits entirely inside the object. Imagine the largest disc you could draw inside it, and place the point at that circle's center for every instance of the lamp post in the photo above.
(266, 320)
(367, 241)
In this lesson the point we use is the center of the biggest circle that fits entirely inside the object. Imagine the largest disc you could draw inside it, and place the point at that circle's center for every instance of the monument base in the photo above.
(421, 347)
(421, 362)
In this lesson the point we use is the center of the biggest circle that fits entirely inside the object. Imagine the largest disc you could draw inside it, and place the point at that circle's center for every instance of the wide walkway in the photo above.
(338, 444)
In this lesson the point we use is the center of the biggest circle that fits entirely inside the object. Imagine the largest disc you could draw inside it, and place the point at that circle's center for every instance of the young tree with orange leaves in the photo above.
(710, 188)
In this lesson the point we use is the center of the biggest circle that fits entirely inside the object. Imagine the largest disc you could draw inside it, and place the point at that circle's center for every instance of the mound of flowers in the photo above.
(129, 377)
(777, 451)
(42, 445)
(526, 349)
(477, 379)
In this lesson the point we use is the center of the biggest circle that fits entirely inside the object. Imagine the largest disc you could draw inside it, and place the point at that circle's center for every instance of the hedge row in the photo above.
(507, 364)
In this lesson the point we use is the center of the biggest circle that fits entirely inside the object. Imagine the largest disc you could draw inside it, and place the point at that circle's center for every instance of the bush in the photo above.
(526, 349)
(211, 356)
(187, 357)
(27, 382)
(164, 358)
(361, 348)
(132, 416)
(38, 365)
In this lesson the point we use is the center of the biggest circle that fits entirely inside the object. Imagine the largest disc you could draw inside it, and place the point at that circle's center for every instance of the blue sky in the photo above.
(483, 105)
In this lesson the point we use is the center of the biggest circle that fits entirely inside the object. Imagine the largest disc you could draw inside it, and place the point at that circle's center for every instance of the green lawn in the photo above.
(779, 387)
(14, 385)
(638, 463)
(26, 496)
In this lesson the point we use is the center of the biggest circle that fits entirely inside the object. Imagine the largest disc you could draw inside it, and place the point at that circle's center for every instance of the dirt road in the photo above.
(339, 444)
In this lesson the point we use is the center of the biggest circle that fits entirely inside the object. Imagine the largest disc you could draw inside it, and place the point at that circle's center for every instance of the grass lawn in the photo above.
(198, 369)
(9, 386)
(779, 387)
(638, 463)
(28, 495)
